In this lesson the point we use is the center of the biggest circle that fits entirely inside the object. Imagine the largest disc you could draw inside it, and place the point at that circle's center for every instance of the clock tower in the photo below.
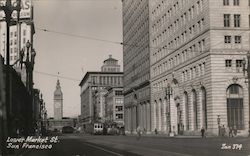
(58, 102)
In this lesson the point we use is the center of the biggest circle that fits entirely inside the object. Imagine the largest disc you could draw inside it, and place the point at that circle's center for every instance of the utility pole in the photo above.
(246, 68)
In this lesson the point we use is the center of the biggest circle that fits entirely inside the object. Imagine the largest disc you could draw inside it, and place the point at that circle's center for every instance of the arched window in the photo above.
(195, 117)
(204, 106)
(235, 106)
(186, 109)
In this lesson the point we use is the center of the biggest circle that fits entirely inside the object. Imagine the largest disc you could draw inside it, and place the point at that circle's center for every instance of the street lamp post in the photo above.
(246, 68)
(41, 113)
(29, 64)
(218, 121)
(168, 94)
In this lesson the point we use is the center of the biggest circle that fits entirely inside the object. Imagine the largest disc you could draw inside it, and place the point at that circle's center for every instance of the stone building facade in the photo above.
(196, 65)
(136, 65)
(93, 88)
(114, 106)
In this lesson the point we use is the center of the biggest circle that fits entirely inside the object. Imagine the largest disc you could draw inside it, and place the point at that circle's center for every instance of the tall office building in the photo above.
(196, 65)
(94, 86)
(25, 36)
(20, 34)
(136, 65)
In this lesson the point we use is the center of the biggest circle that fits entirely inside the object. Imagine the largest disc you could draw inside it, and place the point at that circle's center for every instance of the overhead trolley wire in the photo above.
(117, 42)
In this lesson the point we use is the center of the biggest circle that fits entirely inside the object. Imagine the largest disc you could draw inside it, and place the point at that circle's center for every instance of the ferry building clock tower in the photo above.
(58, 102)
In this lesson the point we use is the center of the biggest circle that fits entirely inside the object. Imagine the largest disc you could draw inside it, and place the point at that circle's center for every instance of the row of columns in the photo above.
(190, 116)
(151, 117)
(138, 115)
(159, 116)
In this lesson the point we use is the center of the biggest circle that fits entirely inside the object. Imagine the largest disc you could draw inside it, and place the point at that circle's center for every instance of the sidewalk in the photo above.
(167, 136)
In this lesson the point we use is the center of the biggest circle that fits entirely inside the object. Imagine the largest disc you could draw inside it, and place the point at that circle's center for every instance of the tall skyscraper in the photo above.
(136, 60)
(58, 102)
(196, 50)
(196, 67)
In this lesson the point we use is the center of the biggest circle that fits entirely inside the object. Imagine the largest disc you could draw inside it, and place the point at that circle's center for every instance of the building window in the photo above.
(225, 2)
(119, 108)
(119, 116)
(24, 32)
(226, 20)
(237, 2)
(234, 89)
(235, 111)
(204, 106)
(237, 20)
(237, 39)
(186, 110)
(239, 63)
(195, 110)
(227, 39)
(119, 101)
(228, 63)
(118, 92)
(249, 19)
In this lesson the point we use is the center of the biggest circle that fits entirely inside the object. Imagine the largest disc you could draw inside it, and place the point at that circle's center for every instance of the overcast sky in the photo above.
(72, 56)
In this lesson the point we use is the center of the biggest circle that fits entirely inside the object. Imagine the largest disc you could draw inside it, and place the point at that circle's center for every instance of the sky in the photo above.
(73, 55)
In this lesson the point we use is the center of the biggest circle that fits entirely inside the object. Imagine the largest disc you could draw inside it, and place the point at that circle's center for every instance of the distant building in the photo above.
(57, 125)
(58, 102)
(110, 65)
(93, 88)
(114, 106)
(58, 122)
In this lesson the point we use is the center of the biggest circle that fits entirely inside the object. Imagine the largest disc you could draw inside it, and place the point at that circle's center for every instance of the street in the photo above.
(87, 145)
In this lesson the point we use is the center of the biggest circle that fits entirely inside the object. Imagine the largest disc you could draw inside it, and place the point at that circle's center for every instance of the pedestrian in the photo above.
(144, 131)
(223, 131)
(138, 130)
(235, 131)
(17, 132)
(202, 132)
(230, 132)
(156, 131)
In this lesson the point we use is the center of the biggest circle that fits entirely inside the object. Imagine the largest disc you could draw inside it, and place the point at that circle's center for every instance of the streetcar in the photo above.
(95, 128)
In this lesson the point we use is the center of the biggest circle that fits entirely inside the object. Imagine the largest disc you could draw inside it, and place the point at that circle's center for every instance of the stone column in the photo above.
(159, 116)
(164, 115)
(148, 114)
(144, 116)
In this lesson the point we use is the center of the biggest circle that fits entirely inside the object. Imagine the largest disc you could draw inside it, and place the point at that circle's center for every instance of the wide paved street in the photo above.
(86, 145)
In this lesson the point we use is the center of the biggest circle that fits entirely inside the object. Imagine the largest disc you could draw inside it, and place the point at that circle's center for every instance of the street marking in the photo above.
(100, 148)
